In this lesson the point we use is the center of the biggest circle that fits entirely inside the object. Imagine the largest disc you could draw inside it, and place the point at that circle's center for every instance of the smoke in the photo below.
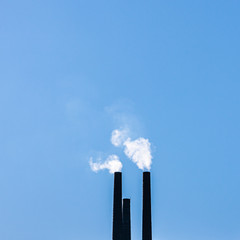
(139, 150)
(119, 137)
(112, 163)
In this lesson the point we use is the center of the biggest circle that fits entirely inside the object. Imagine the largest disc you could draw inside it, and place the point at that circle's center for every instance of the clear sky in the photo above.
(73, 71)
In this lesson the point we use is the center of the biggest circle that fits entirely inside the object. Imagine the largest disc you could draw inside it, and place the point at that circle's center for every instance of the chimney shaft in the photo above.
(126, 219)
(117, 207)
(146, 217)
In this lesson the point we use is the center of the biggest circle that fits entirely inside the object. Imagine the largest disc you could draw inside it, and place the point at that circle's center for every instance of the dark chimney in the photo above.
(117, 207)
(146, 217)
(126, 220)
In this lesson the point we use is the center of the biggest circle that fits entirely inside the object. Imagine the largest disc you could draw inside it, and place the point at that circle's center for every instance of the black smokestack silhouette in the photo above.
(146, 217)
(117, 207)
(126, 228)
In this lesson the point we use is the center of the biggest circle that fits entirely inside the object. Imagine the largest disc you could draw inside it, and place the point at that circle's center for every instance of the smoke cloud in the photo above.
(139, 150)
(119, 137)
(112, 163)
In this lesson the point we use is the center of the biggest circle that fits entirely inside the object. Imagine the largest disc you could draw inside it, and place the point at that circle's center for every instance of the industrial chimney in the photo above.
(126, 228)
(146, 214)
(117, 207)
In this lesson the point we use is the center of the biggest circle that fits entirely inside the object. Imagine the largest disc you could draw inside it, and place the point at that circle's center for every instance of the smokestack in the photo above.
(117, 207)
(146, 217)
(126, 228)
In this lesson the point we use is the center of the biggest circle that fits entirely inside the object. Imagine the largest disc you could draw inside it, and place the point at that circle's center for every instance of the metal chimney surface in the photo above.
(117, 207)
(146, 214)
(126, 220)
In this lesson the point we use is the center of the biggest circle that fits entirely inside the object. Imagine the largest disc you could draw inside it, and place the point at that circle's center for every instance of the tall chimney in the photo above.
(146, 217)
(117, 207)
(126, 219)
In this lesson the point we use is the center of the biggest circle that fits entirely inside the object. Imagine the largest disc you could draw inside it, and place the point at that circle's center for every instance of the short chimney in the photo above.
(117, 207)
(146, 214)
(126, 220)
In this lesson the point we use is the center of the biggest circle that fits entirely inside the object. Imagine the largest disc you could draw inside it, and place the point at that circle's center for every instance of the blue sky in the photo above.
(72, 71)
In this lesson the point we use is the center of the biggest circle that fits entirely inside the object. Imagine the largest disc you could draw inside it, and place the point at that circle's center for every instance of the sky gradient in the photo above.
(73, 71)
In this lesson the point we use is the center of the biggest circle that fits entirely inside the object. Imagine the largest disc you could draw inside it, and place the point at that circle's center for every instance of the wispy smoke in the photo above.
(112, 163)
(139, 150)
(119, 137)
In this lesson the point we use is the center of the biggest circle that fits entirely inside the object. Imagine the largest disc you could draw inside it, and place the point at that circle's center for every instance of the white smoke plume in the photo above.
(112, 163)
(139, 150)
(119, 137)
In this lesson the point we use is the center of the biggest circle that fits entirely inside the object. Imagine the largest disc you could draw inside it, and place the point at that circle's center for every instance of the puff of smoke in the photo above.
(119, 137)
(139, 151)
(112, 163)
